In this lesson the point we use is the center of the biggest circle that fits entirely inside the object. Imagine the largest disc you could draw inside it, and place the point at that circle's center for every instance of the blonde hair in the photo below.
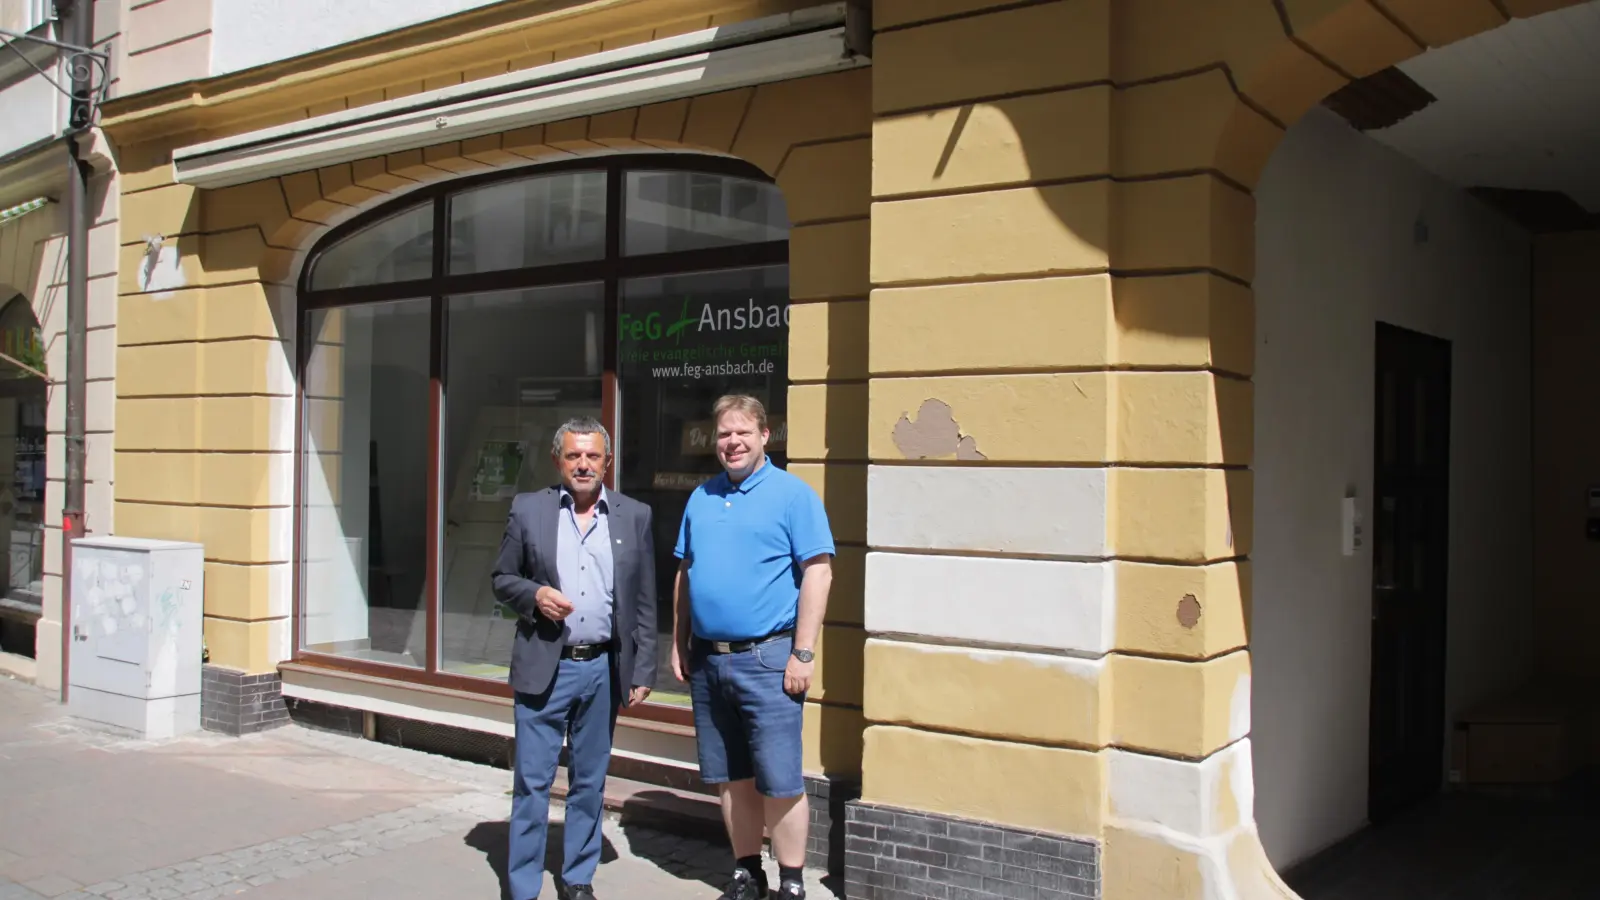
(740, 403)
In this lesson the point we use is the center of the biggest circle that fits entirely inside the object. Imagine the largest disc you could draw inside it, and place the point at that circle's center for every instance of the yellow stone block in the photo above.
(247, 367)
(1059, 229)
(1136, 864)
(1180, 708)
(1040, 137)
(1180, 515)
(168, 211)
(408, 164)
(244, 423)
(1194, 321)
(159, 423)
(159, 370)
(827, 422)
(241, 645)
(157, 477)
(234, 256)
(257, 203)
(244, 535)
(714, 119)
(1189, 124)
(210, 314)
(967, 327)
(823, 182)
(900, 13)
(144, 165)
(1010, 418)
(843, 488)
(785, 113)
(956, 689)
(448, 157)
(831, 739)
(241, 592)
(246, 479)
(829, 262)
(837, 677)
(847, 599)
(1193, 612)
(1027, 49)
(1441, 24)
(304, 193)
(339, 185)
(160, 521)
(1176, 418)
(1355, 36)
(1195, 222)
(661, 122)
(828, 341)
(1044, 788)
(373, 173)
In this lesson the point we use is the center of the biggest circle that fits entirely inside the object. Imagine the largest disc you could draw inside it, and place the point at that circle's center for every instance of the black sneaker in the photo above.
(580, 892)
(745, 886)
(792, 890)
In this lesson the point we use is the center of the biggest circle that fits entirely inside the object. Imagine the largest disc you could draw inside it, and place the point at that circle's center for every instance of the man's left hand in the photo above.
(638, 695)
(797, 676)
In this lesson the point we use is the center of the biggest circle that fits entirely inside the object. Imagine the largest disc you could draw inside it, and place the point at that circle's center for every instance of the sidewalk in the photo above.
(291, 814)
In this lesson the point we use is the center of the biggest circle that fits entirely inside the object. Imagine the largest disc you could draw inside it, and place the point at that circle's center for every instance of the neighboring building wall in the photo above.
(1566, 327)
(1337, 251)
(169, 42)
(249, 33)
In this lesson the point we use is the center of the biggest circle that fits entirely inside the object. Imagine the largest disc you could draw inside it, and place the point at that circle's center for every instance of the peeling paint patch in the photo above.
(1189, 611)
(934, 434)
(161, 270)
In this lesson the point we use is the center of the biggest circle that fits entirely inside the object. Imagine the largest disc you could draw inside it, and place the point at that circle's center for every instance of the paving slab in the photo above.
(291, 813)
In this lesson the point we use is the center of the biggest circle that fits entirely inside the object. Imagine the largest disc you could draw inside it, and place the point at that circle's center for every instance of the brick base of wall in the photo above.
(235, 703)
(827, 798)
(897, 854)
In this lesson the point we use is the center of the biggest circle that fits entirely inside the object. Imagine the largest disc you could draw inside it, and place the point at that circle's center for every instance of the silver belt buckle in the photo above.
(723, 646)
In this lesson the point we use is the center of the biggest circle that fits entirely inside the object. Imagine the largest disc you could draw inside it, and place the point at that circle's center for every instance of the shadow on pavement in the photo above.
(492, 840)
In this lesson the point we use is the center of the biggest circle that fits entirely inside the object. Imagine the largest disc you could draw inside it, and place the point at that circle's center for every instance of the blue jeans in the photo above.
(580, 707)
(746, 725)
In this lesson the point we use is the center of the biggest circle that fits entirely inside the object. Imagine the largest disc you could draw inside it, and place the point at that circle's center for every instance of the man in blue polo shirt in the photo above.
(752, 587)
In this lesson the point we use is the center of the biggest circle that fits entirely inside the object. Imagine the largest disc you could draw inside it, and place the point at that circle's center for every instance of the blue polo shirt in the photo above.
(745, 545)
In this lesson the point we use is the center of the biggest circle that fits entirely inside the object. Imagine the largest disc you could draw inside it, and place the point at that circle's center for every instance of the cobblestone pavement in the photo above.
(293, 814)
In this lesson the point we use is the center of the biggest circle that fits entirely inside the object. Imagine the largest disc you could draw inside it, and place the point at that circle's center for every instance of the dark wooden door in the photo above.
(1411, 486)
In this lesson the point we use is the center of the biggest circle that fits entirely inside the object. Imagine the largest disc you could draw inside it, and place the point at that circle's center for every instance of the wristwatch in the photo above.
(802, 655)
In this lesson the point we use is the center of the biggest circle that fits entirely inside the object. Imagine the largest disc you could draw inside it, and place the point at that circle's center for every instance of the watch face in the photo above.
(803, 655)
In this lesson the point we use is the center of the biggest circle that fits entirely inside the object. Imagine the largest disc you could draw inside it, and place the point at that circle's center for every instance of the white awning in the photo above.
(778, 48)
(11, 214)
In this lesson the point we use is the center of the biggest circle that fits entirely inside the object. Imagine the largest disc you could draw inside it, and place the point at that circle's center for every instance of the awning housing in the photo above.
(813, 41)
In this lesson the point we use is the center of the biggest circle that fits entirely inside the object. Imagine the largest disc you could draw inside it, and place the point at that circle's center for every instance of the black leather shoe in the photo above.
(580, 892)
(792, 890)
(744, 887)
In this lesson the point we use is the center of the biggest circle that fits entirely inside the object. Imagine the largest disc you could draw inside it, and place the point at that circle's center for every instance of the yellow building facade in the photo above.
(1020, 243)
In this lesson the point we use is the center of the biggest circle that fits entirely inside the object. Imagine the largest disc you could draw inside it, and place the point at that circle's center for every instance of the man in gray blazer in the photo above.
(577, 564)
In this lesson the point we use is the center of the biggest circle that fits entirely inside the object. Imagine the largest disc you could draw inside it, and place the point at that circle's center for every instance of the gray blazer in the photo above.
(527, 562)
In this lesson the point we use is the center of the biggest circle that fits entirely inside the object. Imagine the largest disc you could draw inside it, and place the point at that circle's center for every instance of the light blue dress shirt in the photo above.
(583, 563)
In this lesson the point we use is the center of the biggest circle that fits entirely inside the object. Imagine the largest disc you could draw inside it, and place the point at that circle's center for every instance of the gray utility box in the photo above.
(136, 634)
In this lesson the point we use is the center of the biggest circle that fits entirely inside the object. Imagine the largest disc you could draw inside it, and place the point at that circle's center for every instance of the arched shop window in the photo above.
(23, 398)
(445, 337)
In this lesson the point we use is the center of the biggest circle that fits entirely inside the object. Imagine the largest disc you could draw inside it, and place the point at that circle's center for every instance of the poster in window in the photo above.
(499, 464)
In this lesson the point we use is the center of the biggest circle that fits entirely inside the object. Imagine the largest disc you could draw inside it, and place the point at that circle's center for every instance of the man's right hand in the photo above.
(680, 661)
(552, 605)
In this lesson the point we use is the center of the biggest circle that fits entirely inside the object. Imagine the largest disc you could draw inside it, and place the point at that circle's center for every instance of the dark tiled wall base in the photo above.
(325, 717)
(827, 798)
(235, 703)
(895, 854)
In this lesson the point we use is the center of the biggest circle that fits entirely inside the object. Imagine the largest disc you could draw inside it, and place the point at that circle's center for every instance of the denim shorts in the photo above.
(746, 726)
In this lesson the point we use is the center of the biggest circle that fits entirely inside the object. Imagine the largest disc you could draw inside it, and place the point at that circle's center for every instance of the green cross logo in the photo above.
(684, 321)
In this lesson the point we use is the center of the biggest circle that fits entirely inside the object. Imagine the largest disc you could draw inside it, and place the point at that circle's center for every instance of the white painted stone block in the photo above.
(1196, 799)
(1057, 512)
(1030, 603)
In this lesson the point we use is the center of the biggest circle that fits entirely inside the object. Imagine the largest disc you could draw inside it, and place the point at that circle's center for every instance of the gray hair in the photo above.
(579, 425)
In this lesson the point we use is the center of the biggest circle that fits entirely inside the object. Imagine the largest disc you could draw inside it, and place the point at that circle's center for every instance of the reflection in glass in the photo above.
(23, 396)
(399, 248)
(668, 212)
(518, 364)
(365, 471)
(684, 341)
(542, 221)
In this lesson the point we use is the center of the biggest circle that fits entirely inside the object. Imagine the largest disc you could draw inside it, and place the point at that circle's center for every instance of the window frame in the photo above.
(611, 270)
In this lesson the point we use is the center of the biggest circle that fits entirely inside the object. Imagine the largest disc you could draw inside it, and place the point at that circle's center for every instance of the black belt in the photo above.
(584, 652)
(742, 646)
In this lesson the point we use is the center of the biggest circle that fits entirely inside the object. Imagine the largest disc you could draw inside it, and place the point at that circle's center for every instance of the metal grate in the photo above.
(446, 740)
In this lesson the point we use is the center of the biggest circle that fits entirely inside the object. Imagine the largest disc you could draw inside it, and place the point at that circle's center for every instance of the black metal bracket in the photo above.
(88, 69)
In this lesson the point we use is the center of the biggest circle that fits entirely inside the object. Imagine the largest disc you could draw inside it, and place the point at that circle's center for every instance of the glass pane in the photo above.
(685, 341)
(503, 406)
(366, 482)
(672, 211)
(399, 248)
(541, 221)
(23, 397)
